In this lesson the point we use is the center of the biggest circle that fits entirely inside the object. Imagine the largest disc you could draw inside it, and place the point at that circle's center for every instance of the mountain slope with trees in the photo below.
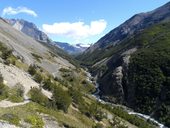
(135, 70)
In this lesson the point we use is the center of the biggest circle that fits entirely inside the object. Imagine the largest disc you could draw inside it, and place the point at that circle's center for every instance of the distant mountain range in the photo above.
(33, 31)
(72, 49)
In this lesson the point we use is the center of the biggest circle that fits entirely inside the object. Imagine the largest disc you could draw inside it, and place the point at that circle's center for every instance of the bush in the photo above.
(32, 70)
(11, 118)
(36, 57)
(38, 78)
(35, 121)
(6, 53)
(3, 91)
(98, 125)
(38, 97)
(48, 85)
(61, 99)
(1, 78)
(16, 93)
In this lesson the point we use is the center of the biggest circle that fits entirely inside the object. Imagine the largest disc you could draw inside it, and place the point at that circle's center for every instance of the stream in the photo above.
(97, 97)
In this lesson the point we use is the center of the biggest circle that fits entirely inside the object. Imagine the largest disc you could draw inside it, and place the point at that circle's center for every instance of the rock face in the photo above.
(133, 25)
(114, 77)
(29, 29)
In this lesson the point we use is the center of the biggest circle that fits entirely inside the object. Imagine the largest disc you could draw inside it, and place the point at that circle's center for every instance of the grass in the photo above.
(11, 118)
(36, 57)
(21, 65)
(72, 118)
(16, 94)
(35, 121)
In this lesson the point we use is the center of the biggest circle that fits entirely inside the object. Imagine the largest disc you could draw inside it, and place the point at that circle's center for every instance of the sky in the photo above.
(76, 21)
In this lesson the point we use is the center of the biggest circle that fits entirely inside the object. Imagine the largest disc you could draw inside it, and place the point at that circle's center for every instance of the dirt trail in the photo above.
(13, 75)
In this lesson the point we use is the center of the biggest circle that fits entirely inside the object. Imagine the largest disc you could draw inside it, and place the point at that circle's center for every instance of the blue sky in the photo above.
(76, 21)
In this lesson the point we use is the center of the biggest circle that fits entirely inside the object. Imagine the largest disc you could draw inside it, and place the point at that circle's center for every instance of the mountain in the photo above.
(131, 63)
(132, 26)
(33, 31)
(29, 29)
(40, 87)
(30, 50)
(72, 49)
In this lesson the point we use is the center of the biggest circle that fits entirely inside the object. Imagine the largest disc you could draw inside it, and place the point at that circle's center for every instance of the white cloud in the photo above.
(14, 11)
(76, 30)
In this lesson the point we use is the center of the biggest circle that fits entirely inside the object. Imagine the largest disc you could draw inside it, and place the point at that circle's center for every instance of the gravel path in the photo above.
(6, 103)
(13, 75)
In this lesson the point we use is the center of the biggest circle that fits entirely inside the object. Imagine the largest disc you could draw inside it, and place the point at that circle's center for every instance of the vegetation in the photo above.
(55, 52)
(69, 95)
(139, 122)
(61, 99)
(36, 57)
(16, 93)
(32, 70)
(12, 118)
(35, 121)
(149, 72)
(3, 89)
(146, 84)
(38, 97)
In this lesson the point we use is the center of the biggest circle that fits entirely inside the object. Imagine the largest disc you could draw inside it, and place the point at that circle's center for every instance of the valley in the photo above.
(121, 81)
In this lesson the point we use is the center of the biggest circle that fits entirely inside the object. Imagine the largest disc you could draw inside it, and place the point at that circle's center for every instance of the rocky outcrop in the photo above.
(114, 83)
(29, 29)
(117, 82)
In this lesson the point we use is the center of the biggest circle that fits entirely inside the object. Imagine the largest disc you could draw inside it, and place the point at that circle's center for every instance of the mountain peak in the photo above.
(135, 24)
(29, 29)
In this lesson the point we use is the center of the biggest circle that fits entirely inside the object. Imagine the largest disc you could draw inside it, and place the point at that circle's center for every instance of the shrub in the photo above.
(3, 91)
(38, 97)
(6, 53)
(1, 78)
(16, 93)
(38, 78)
(35, 121)
(61, 99)
(36, 57)
(12, 118)
(32, 70)
(48, 85)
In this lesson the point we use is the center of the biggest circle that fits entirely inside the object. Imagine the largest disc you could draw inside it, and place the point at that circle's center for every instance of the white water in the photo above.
(96, 95)
(147, 118)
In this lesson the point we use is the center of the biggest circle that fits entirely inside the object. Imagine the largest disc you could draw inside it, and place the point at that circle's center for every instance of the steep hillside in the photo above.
(30, 50)
(132, 63)
(136, 73)
(132, 26)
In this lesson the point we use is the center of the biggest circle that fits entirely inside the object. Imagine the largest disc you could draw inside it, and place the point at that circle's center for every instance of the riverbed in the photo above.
(97, 97)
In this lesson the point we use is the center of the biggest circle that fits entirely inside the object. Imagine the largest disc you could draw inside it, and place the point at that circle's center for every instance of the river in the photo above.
(97, 97)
